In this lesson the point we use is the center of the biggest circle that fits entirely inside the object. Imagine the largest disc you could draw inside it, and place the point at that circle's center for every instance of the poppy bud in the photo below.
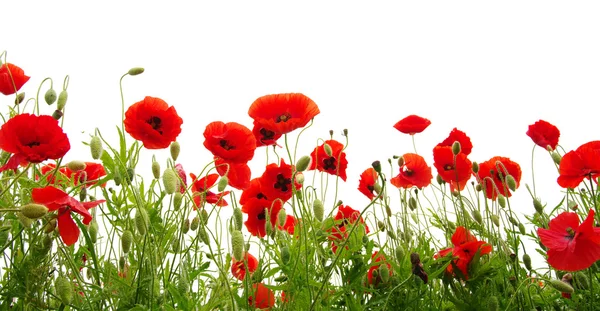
(328, 149)
(203, 235)
(175, 245)
(183, 284)
(62, 100)
(511, 183)
(513, 221)
(456, 148)
(185, 227)
(237, 244)
(170, 181)
(238, 218)
(47, 242)
(50, 96)
(51, 225)
(527, 261)
(57, 114)
(34, 211)
(126, 241)
(318, 209)
(388, 210)
(384, 272)
(412, 203)
(392, 235)
(93, 231)
(495, 220)
(400, 161)
(121, 262)
(156, 169)
(581, 280)
(96, 147)
(561, 286)
(414, 217)
(24, 220)
(204, 216)
(177, 199)
(195, 223)
(281, 217)
(475, 167)
(522, 228)
(556, 157)
(142, 222)
(381, 225)
(299, 178)
(135, 71)
(76, 165)
(501, 201)
(175, 148)
(64, 290)
(376, 166)
(303, 163)
(20, 98)
(493, 303)
(439, 179)
(451, 225)
(477, 216)
(223, 182)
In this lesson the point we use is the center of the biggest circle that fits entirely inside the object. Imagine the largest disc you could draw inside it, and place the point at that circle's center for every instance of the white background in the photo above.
(488, 68)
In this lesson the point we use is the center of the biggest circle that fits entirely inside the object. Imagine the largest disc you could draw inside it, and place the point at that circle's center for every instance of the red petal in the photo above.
(67, 228)
(461, 236)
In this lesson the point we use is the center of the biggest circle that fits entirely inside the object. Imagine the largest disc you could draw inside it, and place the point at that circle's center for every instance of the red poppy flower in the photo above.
(455, 172)
(412, 124)
(576, 165)
(254, 190)
(153, 122)
(457, 135)
(496, 169)
(413, 172)
(378, 259)
(54, 176)
(32, 138)
(276, 181)
(337, 235)
(201, 193)
(257, 215)
(181, 173)
(12, 78)
(264, 136)
(367, 182)
(238, 174)
(247, 265)
(231, 141)
(289, 225)
(334, 164)
(262, 297)
(544, 134)
(571, 246)
(89, 175)
(465, 247)
(282, 113)
(56, 199)
(346, 215)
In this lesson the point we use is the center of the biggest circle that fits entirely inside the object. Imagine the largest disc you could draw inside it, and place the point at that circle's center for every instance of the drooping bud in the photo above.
(126, 241)
(34, 211)
(170, 181)
(50, 96)
(388, 210)
(135, 71)
(195, 223)
(581, 280)
(556, 157)
(318, 209)
(203, 235)
(513, 221)
(511, 183)
(238, 218)
(281, 217)
(439, 179)
(204, 216)
(142, 221)
(93, 231)
(501, 200)
(82, 193)
(64, 290)
(527, 261)
(522, 229)
(51, 225)
(477, 216)
(328, 149)
(185, 227)
(177, 199)
(20, 98)
(285, 254)
(156, 169)
(96, 147)
(62, 100)
(495, 220)
(24, 220)
(376, 166)
(303, 163)
(175, 148)
(475, 167)
(381, 225)
(223, 182)
(412, 203)
(561, 286)
(456, 148)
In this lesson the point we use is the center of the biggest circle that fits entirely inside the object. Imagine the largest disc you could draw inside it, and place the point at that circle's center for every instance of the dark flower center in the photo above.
(33, 144)
(260, 195)
(571, 233)
(283, 118)
(329, 164)
(370, 187)
(261, 215)
(448, 167)
(266, 134)
(225, 145)
(155, 122)
(282, 183)
(408, 172)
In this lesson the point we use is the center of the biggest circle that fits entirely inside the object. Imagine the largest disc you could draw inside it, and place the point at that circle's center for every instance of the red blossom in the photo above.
(377, 260)
(367, 182)
(544, 134)
(334, 164)
(264, 136)
(12, 78)
(455, 171)
(290, 224)
(282, 113)
(153, 122)
(579, 164)
(254, 190)
(465, 247)
(92, 172)
(262, 297)
(238, 174)
(457, 135)
(247, 265)
(414, 172)
(496, 169)
(231, 141)
(258, 211)
(276, 181)
(412, 124)
(202, 194)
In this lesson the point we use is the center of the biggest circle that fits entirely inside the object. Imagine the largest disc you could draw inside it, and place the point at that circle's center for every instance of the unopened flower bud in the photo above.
(238, 218)
(237, 244)
(204, 216)
(400, 161)
(175, 148)
(96, 147)
(24, 220)
(392, 234)
(527, 261)
(412, 203)
(156, 169)
(501, 200)
(93, 231)
(186, 226)
(203, 235)
(121, 263)
(281, 217)
(522, 229)
(177, 199)
(62, 100)
(451, 225)
(493, 303)
(561, 286)
(388, 210)
(513, 221)
(76, 165)
(126, 241)
(328, 149)
(299, 178)
(303, 163)
(475, 167)
(477, 216)
(439, 179)
(20, 98)
(51, 225)
(170, 181)
(135, 71)
(384, 272)
(64, 290)
(456, 148)
(511, 183)
(381, 225)
(376, 166)
(142, 221)
(50, 96)
(195, 223)
(581, 280)
(556, 157)
(34, 211)
(495, 220)
(285, 254)
(318, 209)
(223, 182)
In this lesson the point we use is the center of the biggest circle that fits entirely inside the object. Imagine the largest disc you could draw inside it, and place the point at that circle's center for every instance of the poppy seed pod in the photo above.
(561, 286)
(376, 166)
(50, 96)
(34, 211)
(303, 163)
(135, 71)
(96, 147)
(175, 148)
(156, 169)
(126, 241)
(170, 181)
(64, 290)
(318, 209)
(237, 244)
(62, 100)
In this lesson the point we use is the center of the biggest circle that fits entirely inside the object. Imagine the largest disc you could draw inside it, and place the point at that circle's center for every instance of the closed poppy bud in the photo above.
(126, 241)
(522, 228)
(299, 178)
(303, 163)
(318, 209)
(177, 199)
(156, 169)
(281, 217)
(121, 262)
(175, 148)
(285, 255)
(203, 235)
(34, 211)
(50, 96)
(388, 210)
(400, 161)
(142, 222)
(495, 220)
(93, 231)
(57, 114)
(412, 203)
(135, 71)
(223, 182)
(475, 167)
(186, 226)
(183, 284)
(195, 223)
(76, 165)
(51, 225)
(327, 149)
(204, 216)
(527, 261)
(456, 148)
(62, 100)
(384, 272)
(439, 179)
(556, 157)
(392, 235)
(501, 200)
(513, 221)
(170, 181)
(376, 166)
(96, 147)
(561, 286)
(64, 290)
(511, 183)
(493, 303)
(20, 98)
(477, 216)
(24, 220)
(400, 253)
(581, 280)
(237, 245)
(451, 225)
(381, 225)
(238, 218)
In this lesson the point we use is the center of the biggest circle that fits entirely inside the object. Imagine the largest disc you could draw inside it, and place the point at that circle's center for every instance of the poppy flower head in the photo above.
(465, 247)
(201, 191)
(455, 172)
(254, 190)
(412, 124)
(282, 113)
(496, 169)
(290, 224)
(377, 260)
(579, 164)
(346, 215)
(264, 136)
(12, 78)
(231, 141)
(334, 164)
(153, 122)
(572, 246)
(367, 182)
(544, 134)
(258, 211)
(32, 138)
(457, 135)
(276, 182)
(414, 172)
(261, 297)
(238, 174)
(247, 265)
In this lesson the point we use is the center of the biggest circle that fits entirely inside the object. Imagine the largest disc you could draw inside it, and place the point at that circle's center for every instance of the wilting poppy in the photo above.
(465, 247)
(544, 134)
(290, 224)
(334, 164)
(368, 182)
(254, 190)
(89, 175)
(581, 163)
(202, 194)
(153, 122)
(377, 260)
(56, 199)
(231, 141)
(457, 135)
(276, 182)
(457, 171)
(261, 297)
(258, 211)
(238, 174)
(32, 138)
(239, 268)
(412, 124)
(571, 246)
(496, 169)
(12, 78)
(282, 113)
(264, 136)
(414, 172)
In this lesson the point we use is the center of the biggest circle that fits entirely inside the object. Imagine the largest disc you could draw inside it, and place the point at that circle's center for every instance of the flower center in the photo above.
(155, 122)
(448, 167)
(407, 171)
(225, 145)
(261, 215)
(329, 164)
(283, 118)
(261, 196)
(571, 232)
(282, 183)
(266, 134)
